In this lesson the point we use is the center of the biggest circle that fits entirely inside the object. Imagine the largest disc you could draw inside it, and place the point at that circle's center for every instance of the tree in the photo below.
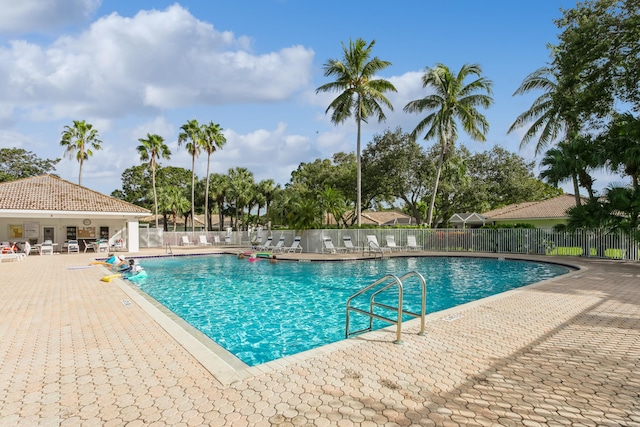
(268, 189)
(398, 167)
(212, 140)
(621, 147)
(172, 199)
(304, 213)
(240, 186)
(332, 202)
(452, 101)
(18, 163)
(79, 140)
(191, 137)
(219, 193)
(152, 149)
(360, 93)
(571, 159)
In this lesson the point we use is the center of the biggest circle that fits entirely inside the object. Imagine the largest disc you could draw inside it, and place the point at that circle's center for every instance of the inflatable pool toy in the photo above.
(141, 275)
(111, 277)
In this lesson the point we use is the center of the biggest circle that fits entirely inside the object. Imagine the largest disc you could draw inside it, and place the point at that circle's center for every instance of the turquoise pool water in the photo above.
(261, 311)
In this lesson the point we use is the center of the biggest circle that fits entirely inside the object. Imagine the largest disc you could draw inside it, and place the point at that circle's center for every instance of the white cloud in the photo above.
(25, 16)
(154, 60)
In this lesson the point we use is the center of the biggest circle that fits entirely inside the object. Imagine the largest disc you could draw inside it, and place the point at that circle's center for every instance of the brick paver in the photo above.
(78, 351)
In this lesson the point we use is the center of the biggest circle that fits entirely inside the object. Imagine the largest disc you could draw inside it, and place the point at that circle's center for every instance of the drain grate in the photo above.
(452, 317)
(125, 302)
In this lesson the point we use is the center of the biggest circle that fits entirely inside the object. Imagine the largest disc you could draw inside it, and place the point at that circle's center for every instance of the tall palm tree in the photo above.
(268, 188)
(452, 100)
(152, 149)
(79, 140)
(191, 136)
(212, 140)
(360, 93)
(240, 186)
(220, 191)
(549, 115)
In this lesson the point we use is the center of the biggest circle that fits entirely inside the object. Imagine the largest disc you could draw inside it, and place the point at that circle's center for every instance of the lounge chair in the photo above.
(374, 246)
(279, 247)
(103, 246)
(186, 241)
(203, 241)
(46, 247)
(348, 244)
(295, 247)
(391, 244)
(227, 240)
(73, 246)
(327, 245)
(266, 245)
(412, 245)
(88, 247)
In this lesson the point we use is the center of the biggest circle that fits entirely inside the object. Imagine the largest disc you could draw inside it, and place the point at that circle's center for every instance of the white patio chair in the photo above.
(266, 245)
(412, 245)
(391, 244)
(374, 246)
(46, 248)
(327, 245)
(203, 241)
(295, 247)
(73, 246)
(88, 247)
(279, 247)
(186, 241)
(348, 244)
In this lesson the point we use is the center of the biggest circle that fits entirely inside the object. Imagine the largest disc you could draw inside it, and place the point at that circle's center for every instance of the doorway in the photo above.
(48, 233)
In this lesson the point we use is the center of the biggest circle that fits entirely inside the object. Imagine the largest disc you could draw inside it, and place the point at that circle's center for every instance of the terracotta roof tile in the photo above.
(550, 208)
(50, 193)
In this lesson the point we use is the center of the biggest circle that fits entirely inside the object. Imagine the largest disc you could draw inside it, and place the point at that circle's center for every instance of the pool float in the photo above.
(140, 275)
(110, 277)
(259, 255)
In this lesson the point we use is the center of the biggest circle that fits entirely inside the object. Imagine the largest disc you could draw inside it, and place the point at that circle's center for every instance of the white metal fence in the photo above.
(588, 243)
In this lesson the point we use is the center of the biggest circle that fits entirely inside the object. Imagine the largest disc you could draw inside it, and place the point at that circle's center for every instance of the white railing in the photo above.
(536, 241)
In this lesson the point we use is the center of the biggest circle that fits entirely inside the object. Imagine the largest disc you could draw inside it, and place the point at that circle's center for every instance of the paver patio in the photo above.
(78, 351)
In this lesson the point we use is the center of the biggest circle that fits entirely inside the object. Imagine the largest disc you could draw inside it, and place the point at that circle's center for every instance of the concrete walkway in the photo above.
(78, 351)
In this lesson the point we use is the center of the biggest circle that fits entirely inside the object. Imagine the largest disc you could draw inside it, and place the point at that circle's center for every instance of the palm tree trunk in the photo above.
(206, 196)
(435, 187)
(80, 173)
(576, 188)
(155, 194)
(359, 173)
(193, 188)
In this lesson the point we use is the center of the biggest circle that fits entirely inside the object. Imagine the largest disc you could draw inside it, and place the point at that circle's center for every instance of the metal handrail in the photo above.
(168, 249)
(393, 281)
(373, 247)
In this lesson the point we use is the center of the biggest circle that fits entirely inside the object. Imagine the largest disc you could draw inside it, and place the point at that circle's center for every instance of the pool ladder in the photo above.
(381, 285)
(372, 247)
(168, 249)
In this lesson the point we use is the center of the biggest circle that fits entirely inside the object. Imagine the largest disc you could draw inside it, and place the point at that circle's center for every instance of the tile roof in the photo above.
(50, 193)
(550, 208)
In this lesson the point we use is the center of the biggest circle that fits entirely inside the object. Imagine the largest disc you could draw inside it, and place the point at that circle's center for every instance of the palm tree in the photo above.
(173, 199)
(268, 188)
(191, 136)
(451, 100)
(152, 149)
(78, 141)
(571, 159)
(333, 203)
(212, 141)
(220, 190)
(549, 112)
(240, 185)
(360, 93)
(622, 147)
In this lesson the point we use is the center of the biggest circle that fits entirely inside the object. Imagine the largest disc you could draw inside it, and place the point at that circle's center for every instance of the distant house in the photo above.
(542, 214)
(46, 207)
(467, 220)
(379, 218)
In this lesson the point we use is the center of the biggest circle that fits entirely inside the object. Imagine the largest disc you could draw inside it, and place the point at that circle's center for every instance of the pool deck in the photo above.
(75, 350)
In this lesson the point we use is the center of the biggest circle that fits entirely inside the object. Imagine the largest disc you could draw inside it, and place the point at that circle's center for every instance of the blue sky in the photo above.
(137, 67)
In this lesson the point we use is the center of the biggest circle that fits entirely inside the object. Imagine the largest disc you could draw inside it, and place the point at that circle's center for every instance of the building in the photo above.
(49, 208)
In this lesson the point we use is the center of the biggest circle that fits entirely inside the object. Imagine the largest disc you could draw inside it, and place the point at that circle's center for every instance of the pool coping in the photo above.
(226, 368)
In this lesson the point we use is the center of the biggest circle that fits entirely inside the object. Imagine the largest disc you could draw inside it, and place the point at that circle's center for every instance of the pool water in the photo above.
(261, 311)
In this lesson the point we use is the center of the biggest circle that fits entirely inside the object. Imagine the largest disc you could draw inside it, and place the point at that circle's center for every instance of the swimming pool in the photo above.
(261, 311)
